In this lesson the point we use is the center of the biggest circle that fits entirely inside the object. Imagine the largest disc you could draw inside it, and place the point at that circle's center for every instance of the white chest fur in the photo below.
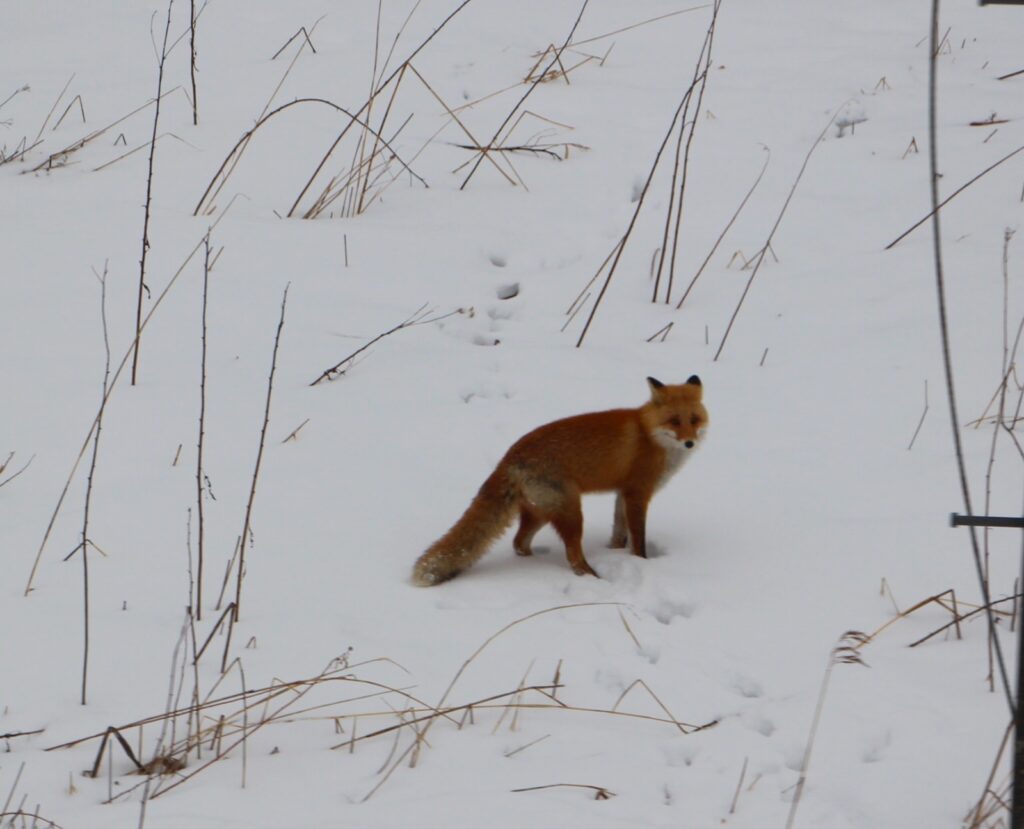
(676, 453)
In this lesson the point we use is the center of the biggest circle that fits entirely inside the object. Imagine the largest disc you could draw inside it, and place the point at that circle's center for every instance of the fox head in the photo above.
(675, 415)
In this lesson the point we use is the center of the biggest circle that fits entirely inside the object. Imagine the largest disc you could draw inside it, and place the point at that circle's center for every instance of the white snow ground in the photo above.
(772, 543)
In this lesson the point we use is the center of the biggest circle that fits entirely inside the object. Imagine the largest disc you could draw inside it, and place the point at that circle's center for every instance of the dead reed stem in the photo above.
(600, 792)
(220, 176)
(700, 78)
(366, 105)
(845, 652)
(621, 245)
(418, 317)
(149, 196)
(206, 203)
(493, 143)
(259, 460)
(200, 534)
(88, 488)
(159, 750)
(577, 43)
(771, 234)
(192, 60)
(940, 204)
(110, 388)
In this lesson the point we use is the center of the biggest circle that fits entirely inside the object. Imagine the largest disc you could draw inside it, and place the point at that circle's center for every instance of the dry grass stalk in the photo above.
(920, 423)
(149, 197)
(759, 258)
(846, 652)
(421, 316)
(294, 434)
(13, 475)
(197, 600)
(33, 820)
(725, 230)
(441, 705)
(600, 792)
(113, 382)
(383, 84)
(302, 31)
(123, 156)
(206, 205)
(700, 80)
(991, 803)
(936, 599)
(111, 731)
(61, 157)
(81, 109)
(621, 245)
(950, 197)
(495, 139)
(516, 751)
(192, 18)
(638, 25)
(53, 109)
(227, 167)
(661, 332)
(84, 546)
(977, 609)
(739, 787)
(641, 684)
(256, 471)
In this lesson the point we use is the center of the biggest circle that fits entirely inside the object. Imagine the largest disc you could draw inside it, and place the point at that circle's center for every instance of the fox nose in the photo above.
(689, 444)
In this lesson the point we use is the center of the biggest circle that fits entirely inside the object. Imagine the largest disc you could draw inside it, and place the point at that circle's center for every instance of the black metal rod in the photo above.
(957, 520)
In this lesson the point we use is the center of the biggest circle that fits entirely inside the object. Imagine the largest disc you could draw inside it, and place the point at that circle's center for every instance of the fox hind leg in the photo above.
(568, 523)
(529, 523)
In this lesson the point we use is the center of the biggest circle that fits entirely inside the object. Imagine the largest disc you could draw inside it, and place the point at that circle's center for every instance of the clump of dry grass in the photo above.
(210, 728)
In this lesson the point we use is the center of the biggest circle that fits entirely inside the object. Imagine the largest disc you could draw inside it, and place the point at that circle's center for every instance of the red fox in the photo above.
(541, 478)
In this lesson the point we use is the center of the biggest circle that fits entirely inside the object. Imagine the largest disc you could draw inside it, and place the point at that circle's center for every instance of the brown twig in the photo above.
(418, 317)
(621, 244)
(13, 475)
(259, 458)
(85, 444)
(247, 136)
(302, 31)
(494, 139)
(201, 536)
(771, 234)
(700, 76)
(149, 198)
(192, 17)
(600, 792)
(950, 197)
(365, 106)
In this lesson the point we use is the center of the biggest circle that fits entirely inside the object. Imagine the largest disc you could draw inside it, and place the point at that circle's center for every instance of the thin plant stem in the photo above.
(771, 234)
(494, 140)
(259, 460)
(940, 289)
(149, 196)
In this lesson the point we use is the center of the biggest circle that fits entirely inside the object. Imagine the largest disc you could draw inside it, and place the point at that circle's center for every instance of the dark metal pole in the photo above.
(1017, 783)
(1017, 801)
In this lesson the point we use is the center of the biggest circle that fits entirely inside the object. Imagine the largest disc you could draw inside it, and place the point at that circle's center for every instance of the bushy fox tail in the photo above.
(489, 514)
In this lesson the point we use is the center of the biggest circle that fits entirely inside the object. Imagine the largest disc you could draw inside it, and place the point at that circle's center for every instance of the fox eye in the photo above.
(674, 421)
(695, 420)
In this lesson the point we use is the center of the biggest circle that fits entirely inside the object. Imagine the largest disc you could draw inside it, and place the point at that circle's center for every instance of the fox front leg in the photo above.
(619, 534)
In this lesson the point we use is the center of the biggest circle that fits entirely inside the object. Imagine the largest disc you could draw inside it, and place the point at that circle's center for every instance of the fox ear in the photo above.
(694, 380)
(656, 386)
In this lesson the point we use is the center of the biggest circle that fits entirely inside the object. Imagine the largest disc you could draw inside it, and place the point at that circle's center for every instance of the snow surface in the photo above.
(774, 541)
